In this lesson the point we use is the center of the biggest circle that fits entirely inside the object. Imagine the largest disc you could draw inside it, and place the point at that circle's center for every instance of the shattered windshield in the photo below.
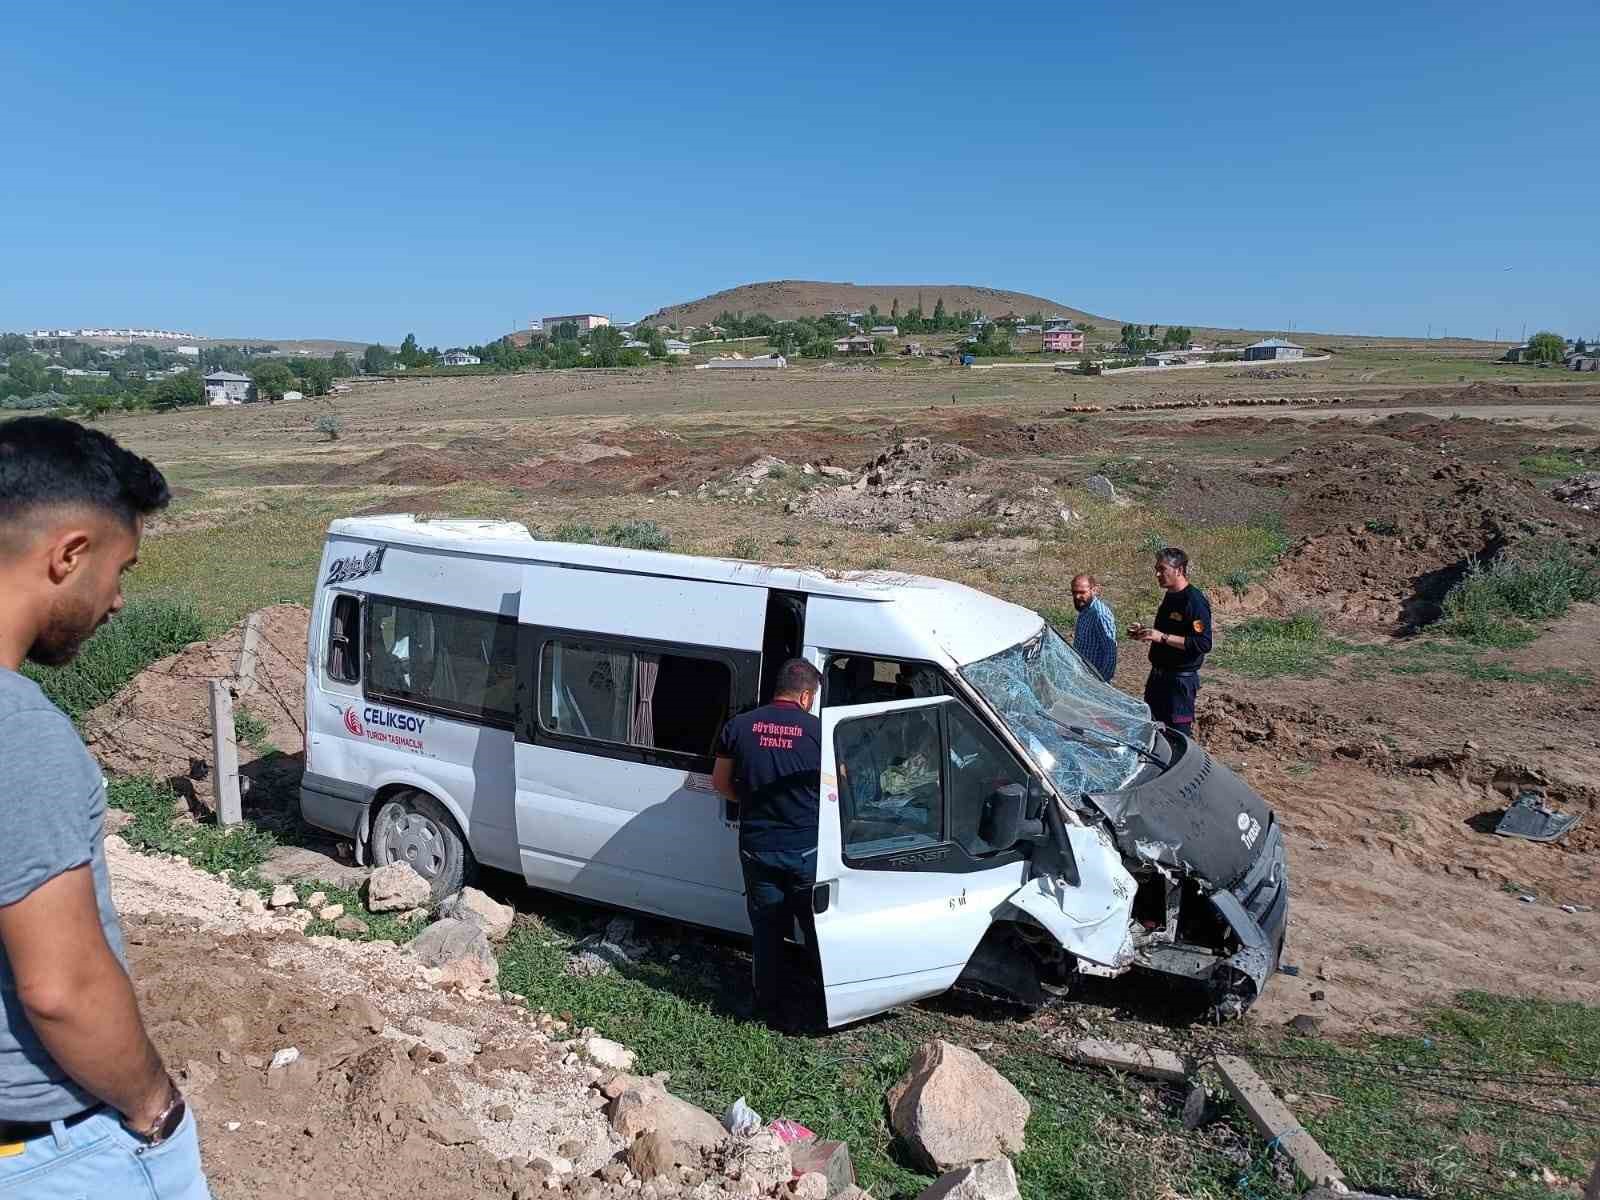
(1040, 686)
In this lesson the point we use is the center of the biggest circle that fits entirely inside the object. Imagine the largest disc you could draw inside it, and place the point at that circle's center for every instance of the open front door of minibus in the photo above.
(900, 904)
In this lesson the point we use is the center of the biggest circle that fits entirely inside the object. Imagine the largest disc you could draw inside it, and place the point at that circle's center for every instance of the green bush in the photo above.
(575, 531)
(1491, 604)
(144, 631)
(638, 535)
(746, 547)
(1381, 526)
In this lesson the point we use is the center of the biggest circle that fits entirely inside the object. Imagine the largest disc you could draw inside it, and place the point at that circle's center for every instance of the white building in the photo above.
(188, 351)
(584, 321)
(1270, 348)
(677, 348)
(227, 387)
(459, 358)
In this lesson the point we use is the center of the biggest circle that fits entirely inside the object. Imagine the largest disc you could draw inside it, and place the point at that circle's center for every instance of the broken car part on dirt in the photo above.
(1529, 817)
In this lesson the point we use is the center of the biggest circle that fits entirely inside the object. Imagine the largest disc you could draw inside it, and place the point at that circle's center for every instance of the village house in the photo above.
(1589, 361)
(677, 348)
(858, 344)
(885, 331)
(459, 358)
(1272, 348)
(1062, 337)
(227, 387)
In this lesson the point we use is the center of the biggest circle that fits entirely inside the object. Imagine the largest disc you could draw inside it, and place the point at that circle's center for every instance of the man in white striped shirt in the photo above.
(1095, 637)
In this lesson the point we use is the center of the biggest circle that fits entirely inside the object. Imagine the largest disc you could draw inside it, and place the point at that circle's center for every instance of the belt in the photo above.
(25, 1131)
(1175, 674)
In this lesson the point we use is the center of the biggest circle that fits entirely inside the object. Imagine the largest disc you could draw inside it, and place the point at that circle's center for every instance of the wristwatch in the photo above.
(167, 1120)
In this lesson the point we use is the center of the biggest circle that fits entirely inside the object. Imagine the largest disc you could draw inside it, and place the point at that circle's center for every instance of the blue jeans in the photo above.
(777, 895)
(99, 1158)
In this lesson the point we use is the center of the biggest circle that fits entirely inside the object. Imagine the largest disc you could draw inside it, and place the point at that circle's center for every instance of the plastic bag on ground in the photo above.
(741, 1120)
(789, 1132)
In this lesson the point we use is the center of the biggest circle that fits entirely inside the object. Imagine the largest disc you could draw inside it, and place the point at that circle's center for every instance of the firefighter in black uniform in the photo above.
(769, 762)
(1179, 641)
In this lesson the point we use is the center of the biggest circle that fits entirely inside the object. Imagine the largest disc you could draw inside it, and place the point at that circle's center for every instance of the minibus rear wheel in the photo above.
(412, 827)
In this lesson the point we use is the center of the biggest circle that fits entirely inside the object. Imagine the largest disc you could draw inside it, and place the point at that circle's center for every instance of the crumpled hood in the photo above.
(1196, 817)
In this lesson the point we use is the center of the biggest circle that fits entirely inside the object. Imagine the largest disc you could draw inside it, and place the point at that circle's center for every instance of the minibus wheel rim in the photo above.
(413, 838)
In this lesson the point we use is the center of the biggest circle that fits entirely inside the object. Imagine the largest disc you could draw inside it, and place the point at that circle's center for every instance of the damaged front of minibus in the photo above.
(1161, 857)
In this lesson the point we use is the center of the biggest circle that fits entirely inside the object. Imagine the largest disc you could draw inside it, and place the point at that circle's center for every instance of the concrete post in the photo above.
(224, 756)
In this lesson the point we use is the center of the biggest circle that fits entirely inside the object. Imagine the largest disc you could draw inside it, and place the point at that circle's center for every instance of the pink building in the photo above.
(1063, 339)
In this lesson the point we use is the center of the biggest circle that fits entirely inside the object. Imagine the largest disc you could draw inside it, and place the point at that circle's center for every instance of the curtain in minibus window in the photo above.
(610, 693)
(443, 658)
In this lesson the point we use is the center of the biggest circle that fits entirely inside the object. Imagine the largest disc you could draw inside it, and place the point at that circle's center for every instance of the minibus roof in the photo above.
(988, 623)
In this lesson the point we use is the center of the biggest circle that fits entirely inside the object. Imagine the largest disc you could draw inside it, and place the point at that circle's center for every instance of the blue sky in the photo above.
(360, 171)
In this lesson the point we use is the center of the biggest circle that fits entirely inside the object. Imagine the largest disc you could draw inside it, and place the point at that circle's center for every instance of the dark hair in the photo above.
(48, 461)
(1173, 557)
(796, 676)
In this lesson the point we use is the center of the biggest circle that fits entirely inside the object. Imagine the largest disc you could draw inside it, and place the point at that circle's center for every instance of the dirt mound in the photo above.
(997, 435)
(160, 723)
(1473, 393)
(1387, 529)
(911, 483)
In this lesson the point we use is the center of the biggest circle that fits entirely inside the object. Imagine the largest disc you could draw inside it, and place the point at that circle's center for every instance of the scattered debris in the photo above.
(1529, 817)
(1582, 492)
(600, 952)
(741, 1120)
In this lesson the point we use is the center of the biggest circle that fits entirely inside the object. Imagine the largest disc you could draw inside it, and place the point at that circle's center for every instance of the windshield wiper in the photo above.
(1085, 731)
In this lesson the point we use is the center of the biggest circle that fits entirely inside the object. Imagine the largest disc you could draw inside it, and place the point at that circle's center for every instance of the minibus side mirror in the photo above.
(1005, 822)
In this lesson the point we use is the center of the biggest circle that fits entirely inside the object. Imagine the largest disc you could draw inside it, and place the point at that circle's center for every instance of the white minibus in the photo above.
(991, 812)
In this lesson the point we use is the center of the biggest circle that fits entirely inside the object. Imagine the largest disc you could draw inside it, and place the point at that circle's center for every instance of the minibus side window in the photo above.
(445, 659)
(628, 696)
(891, 788)
(344, 640)
(978, 767)
(867, 679)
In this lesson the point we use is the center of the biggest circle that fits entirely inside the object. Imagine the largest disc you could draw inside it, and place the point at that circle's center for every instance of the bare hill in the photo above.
(790, 298)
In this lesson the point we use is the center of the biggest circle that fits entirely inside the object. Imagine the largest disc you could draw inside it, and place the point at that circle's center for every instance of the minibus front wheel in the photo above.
(412, 827)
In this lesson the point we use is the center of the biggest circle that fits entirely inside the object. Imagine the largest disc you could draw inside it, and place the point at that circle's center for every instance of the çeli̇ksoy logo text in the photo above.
(381, 725)
(355, 566)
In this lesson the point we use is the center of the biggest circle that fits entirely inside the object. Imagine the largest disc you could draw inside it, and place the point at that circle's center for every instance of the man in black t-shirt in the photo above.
(1179, 641)
(769, 762)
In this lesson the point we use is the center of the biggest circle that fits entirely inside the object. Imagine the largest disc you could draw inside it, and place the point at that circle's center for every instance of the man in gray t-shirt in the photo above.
(86, 1106)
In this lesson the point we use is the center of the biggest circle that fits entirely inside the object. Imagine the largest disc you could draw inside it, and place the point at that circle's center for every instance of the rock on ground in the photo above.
(459, 950)
(395, 888)
(654, 1154)
(994, 1180)
(762, 1159)
(603, 1052)
(952, 1109)
(1099, 485)
(470, 904)
(283, 896)
(643, 1106)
